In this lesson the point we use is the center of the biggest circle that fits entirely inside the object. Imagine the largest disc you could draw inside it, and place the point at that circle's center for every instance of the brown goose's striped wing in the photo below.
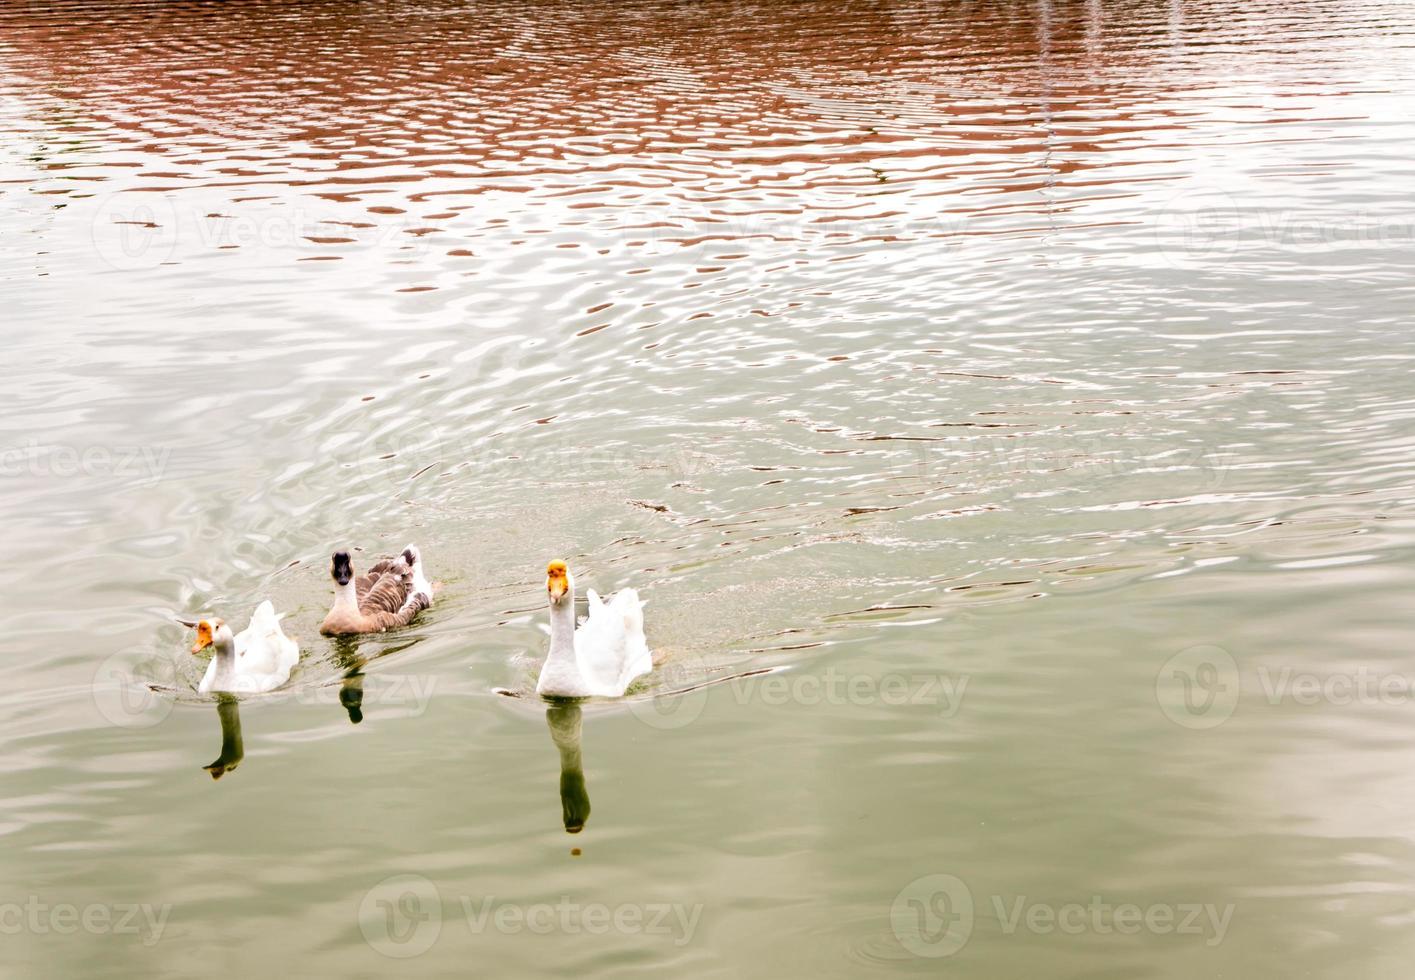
(363, 584)
(389, 591)
(416, 603)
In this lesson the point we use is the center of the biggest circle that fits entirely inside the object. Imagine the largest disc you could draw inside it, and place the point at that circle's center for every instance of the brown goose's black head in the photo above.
(341, 568)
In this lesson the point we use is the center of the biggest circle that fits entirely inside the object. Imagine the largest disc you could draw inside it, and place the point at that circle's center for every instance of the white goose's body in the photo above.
(256, 660)
(603, 656)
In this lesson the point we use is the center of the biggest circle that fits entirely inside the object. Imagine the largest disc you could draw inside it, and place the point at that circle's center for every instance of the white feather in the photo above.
(260, 657)
(609, 649)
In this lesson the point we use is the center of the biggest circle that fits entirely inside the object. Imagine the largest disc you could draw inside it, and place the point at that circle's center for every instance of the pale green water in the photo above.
(971, 362)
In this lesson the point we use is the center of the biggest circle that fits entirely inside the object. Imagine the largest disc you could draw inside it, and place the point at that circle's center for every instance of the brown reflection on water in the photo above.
(436, 148)
(639, 105)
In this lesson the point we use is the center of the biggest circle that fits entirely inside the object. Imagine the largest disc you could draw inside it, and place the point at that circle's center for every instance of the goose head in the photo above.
(213, 632)
(341, 569)
(557, 582)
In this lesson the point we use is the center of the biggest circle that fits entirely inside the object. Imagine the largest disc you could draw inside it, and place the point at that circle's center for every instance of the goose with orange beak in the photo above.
(605, 654)
(256, 660)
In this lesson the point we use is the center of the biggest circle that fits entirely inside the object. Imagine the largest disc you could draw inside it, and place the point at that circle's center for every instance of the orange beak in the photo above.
(203, 637)
(557, 580)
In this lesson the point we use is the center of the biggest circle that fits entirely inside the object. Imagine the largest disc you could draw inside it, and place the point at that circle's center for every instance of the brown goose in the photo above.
(390, 596)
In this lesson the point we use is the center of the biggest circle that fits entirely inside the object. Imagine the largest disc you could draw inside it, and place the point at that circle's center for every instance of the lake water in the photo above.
(1006, 408)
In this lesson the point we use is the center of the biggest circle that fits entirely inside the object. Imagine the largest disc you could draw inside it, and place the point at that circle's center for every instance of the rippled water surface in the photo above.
(1007, 410)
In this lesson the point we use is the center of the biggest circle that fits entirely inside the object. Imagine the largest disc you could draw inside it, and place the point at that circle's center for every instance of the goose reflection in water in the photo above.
(564, 723)
(351, 695)
(351, 686)
(228, 709)
(563, 718)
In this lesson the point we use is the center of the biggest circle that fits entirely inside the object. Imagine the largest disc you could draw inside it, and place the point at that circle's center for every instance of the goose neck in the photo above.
(346, 597)
(562, 629)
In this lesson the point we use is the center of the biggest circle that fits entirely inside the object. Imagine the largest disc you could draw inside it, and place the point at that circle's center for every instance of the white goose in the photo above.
(256, 660)
(605, 654)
